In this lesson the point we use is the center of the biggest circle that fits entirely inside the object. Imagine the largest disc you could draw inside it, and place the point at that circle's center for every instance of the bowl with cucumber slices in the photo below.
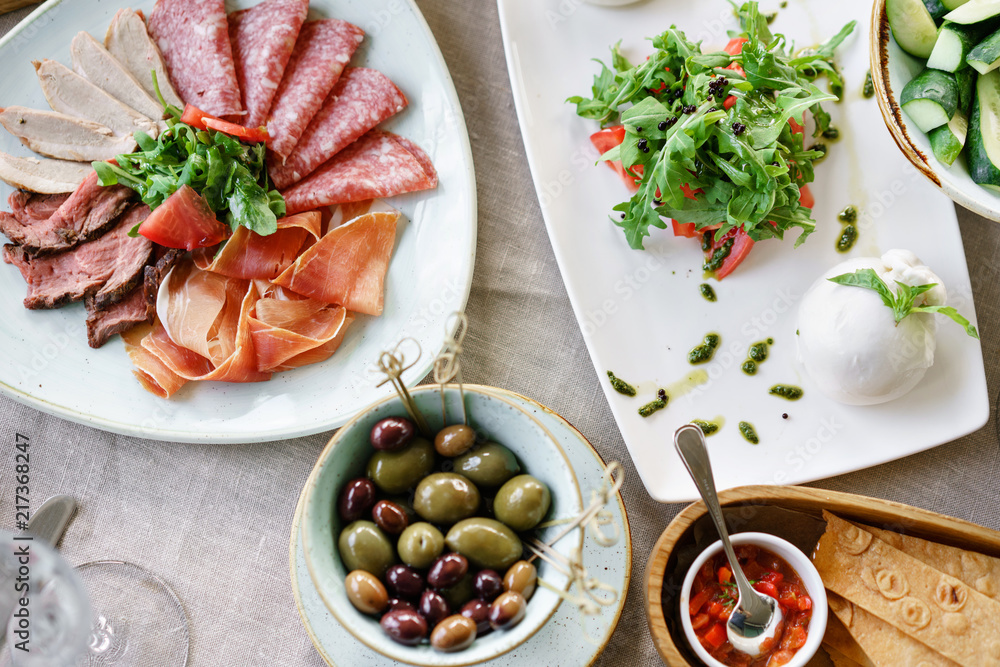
(936, 76)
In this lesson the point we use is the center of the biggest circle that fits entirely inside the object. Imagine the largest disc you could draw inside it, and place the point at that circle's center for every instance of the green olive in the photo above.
(395, 472)
(522, 502)
(364, 547)
(486, 542)
(461, 592)
(420, 544)
(488, 466)
(446, 498)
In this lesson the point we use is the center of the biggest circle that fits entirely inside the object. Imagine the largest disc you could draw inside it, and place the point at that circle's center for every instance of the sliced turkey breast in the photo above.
(64, 137)
(39, 174)
(93, 62)
(129, 42)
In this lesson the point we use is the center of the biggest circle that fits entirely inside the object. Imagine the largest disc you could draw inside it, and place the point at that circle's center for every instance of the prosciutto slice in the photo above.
(262, 38)
(251, 256)
(362, 99)
(321, 53)
(292, 333)
(193, 36)
(347, 266)
(379, 164)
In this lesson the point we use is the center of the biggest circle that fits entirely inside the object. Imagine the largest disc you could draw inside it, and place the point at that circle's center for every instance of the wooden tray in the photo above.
(11, 5)
(790, 512)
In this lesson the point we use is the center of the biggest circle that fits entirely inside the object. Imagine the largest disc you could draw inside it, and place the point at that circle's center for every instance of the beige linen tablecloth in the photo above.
(214, 520)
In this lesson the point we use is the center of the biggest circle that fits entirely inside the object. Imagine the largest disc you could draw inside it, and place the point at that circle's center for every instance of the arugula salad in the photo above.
(715, 141)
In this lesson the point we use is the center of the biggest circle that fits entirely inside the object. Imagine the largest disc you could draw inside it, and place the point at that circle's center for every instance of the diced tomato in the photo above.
(714, 609)
(805, 603)
(699, 621)
(725, 575)
(795, 637)
(782, 657)
(195, 117)
(684, 229)
(742, 245)
(788, 599)
(699, 600)
(735, 45)
(774, 577)
(728, 103)
(767, 588)
(716, 636)
(607, 139)
(796, 127)
(806, 196)
(184, 220)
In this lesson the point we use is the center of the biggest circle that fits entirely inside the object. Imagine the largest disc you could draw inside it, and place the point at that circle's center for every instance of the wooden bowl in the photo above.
(790, 512)
(892, 68)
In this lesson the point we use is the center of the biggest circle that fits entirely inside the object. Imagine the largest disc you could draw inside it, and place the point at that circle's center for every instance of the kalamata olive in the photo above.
(433, 607)
(390, 516)
(445, 498)
(363, 546)
(488, 466)
(522, 502)
(400, 603)
(405, 626)
(366, 592)
(455, 633)
(479, 612)
(392, 433)
(485, 542)
(420, 544)
(507, 610)
(460, 593)
(447, 570)
(488, 585)
(404, 582)
(401, 470)
(521, 578)
(357, 498)
(454, 440)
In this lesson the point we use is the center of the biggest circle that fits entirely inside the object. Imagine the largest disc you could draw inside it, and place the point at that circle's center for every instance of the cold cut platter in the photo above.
(258, 207)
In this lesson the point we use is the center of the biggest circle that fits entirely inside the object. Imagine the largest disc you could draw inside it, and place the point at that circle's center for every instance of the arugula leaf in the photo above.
(901, 303)
(743, 156)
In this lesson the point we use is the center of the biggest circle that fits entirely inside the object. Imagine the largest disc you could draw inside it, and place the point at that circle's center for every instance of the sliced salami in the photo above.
(362, 99)
(321, 53)
(193, 36)
(377, 165)
(262, 38)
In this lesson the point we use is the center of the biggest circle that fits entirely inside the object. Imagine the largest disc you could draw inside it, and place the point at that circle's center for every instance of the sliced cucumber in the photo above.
(986, 54)
(930, 99)
(973, 11)
(947, 141)
(936, 9)
(953, 4)
(984, 132)
(912, 26)
(966, 80)
(954, 42)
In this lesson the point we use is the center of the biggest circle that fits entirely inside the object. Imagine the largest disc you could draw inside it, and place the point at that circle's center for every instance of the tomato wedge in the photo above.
(607, 139)
(806, 196)
(742, 245)
(195, 117)
(184, 220)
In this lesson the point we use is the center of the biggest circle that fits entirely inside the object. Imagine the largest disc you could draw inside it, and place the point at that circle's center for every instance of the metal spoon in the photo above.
(757, 616)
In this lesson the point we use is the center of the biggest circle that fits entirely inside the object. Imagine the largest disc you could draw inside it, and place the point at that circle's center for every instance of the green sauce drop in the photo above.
(719, 256)
(621, 386)
(749, 367)
(758, 351)
(786, 391)
(703, 353)
(869, 88)
(707, 292)
(708, 428)
(849, 214)
(746, 428)
(831, 133)
(653, 406)
(847, 238)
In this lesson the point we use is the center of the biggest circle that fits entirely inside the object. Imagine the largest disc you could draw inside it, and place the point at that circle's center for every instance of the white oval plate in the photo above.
(641, 312)
(47, 364)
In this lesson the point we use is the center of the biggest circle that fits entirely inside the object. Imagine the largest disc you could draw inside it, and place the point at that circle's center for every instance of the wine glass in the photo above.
(105, 613)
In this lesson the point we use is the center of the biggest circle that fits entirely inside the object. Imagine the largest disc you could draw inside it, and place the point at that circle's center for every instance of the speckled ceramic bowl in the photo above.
(892, 68)
(345, 458)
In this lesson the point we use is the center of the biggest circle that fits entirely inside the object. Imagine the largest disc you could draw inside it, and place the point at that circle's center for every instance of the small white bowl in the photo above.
(797, 560)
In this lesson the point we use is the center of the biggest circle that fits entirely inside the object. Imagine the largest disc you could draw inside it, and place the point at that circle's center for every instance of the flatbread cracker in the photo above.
(839, 659)
(838, 638)
(977, 570)
(880, 642)
(932, 607)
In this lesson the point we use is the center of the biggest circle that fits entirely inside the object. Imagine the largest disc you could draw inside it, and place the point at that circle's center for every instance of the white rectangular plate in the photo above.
(641, 311)
(45, 360)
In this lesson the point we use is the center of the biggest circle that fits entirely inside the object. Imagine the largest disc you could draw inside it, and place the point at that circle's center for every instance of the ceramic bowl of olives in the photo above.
(416, 541)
